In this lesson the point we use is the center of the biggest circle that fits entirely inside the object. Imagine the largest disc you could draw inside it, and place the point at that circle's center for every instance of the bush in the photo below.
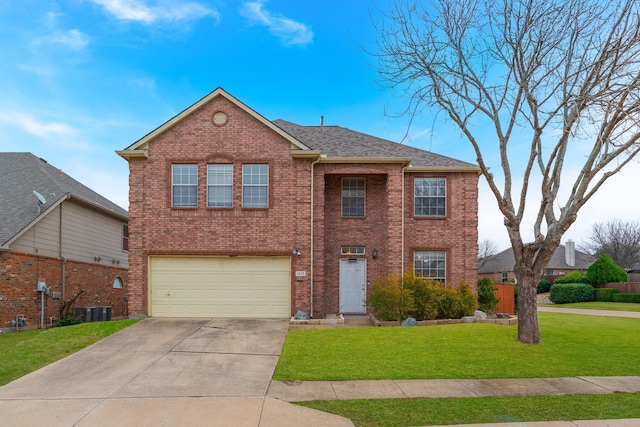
(564, 293)
(421, 298)
(487, 299)
(604, 294)
(544, 285)
(576, 276)
(388, 300)
(635, 298)
(605, 270)
(68, 321)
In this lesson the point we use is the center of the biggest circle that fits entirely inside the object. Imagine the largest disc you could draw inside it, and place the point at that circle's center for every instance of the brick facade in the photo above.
(19, 273)
(156, 228)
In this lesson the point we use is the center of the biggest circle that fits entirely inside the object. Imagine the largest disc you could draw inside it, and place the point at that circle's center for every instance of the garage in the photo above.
(182, 286)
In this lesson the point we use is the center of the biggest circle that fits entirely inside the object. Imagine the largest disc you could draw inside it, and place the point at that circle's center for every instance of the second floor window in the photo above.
(125, 237)
(353, 197)
(220, 186)
(255, 186)
(430, 197)
(184, 185)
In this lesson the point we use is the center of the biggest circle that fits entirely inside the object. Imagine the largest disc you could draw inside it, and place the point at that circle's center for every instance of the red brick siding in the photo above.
(20, 272)
(457, 233)
(157, 228)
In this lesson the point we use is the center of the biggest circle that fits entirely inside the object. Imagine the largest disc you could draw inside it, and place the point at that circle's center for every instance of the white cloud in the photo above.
(30, 124)
(171, 11)
(290, 32)
(73, 39)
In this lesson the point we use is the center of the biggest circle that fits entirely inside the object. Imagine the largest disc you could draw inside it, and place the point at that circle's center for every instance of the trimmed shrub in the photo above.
(634, 298)
(487, 299)
(604, 294)
(544, 285)
(576, 276)
(605, 270)
(421, 298)
(388, 300)
(564, 293)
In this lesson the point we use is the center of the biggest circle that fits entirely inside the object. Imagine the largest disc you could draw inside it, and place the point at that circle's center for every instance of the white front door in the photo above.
(353, 285)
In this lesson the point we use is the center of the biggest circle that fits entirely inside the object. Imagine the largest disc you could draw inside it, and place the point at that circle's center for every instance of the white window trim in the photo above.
(255, 185)
(209, 185)
(174, 185)
(364, 197)
(415, 197)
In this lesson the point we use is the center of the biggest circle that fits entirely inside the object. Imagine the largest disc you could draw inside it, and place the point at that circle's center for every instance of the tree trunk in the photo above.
(528, 331)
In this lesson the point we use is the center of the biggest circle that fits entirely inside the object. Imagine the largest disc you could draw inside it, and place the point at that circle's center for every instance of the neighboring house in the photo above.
(565, 259)
(57, 233)
(235, 215)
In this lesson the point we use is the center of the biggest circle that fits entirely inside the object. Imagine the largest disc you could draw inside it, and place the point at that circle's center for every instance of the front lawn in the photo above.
(598, 305)
(27, 351)
(422, 412)
(572, 345)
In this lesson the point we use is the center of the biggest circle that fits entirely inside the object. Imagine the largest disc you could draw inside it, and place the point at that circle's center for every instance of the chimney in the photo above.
(570, 253)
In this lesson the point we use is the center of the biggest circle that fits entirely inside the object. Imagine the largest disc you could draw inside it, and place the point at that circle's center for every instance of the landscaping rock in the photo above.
(481, 315)
(469, 319)
(301, 315)
(409, 321)
(503, 315)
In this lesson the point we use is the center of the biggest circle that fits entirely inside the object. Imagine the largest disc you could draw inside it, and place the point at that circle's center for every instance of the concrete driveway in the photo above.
(163, 372)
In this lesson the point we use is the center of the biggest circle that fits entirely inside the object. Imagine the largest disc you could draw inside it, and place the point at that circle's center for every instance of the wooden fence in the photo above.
(505, 292)
(625, 288)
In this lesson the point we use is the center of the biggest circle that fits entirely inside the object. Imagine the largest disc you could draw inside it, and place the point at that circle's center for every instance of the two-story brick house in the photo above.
(232, 214)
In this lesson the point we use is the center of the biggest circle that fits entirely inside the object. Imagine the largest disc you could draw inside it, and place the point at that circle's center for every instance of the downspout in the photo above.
(402, 225)
(62, 257)
(312, 245)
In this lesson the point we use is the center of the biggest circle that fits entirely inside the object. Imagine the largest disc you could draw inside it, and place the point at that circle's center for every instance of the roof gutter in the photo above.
(401, 160)
(432, 169)
(129, 154)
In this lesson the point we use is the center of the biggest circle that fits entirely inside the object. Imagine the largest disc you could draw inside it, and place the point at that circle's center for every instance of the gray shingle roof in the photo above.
(20, 175)
(505, 261)
(336, 141)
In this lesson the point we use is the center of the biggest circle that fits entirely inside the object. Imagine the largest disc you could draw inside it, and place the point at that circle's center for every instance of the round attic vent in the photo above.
(220, 118)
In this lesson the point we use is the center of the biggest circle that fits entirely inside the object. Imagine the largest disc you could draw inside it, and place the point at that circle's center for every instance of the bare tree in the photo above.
(616, 238)
(486, 248)
(553, 81)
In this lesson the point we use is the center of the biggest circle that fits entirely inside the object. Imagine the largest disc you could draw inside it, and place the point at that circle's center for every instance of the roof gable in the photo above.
(23, 173)
(140, 147)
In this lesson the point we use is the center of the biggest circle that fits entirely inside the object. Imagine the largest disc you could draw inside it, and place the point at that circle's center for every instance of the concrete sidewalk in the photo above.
(300, 391)
(589, 312)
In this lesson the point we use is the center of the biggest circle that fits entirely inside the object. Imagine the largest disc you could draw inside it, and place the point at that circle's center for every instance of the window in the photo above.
(505, 276)
(353, 197)
(125, 237)
(117, 283)
(184, 186)
(431, 264)
(430, 195)
(220, 186)
(255, 186)
(352, 250)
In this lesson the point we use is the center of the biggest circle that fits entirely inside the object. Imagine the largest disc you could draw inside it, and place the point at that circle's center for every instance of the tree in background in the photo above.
(557, 80)
(486, 248)
(605, 270)
(616, 238)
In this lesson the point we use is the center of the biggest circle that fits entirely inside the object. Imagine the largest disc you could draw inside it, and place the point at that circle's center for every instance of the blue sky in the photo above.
(80, 79)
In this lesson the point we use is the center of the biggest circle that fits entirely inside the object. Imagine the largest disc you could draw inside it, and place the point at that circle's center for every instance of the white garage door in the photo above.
(220, 286)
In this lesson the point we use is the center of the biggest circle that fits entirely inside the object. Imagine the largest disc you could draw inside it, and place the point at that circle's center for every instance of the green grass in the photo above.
(598, 305)
(26, 351)
(414, 412)
(572, 345)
